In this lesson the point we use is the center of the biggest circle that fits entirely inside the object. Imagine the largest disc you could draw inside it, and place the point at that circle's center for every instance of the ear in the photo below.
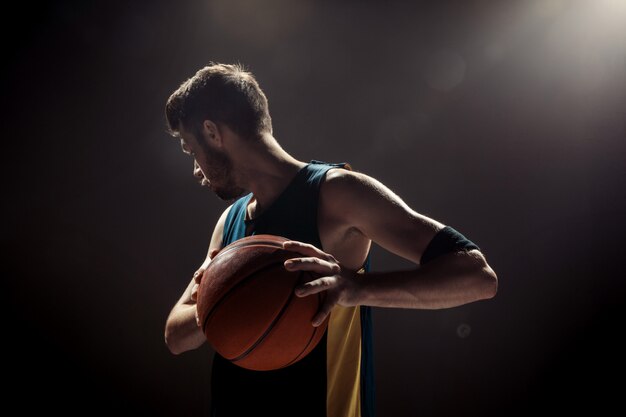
(212, 133)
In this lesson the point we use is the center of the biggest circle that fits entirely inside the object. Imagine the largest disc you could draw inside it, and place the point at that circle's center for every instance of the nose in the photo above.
(197, 172)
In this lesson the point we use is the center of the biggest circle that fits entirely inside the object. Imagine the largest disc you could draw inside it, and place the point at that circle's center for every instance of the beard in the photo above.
(228, 194)
(219, 172)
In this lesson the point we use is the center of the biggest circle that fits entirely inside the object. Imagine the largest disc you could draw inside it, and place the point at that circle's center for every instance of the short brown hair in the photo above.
(222, 93)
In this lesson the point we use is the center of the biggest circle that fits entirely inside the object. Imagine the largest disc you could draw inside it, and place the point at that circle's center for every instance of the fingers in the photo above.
(313, 264)
(315, 260)
(307, 250)
(194, 292)
(315, 286)
(197, 317)
(323, 312)
(197, 276)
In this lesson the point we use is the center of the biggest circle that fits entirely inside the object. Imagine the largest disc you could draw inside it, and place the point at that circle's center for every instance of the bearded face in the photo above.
(213, 167)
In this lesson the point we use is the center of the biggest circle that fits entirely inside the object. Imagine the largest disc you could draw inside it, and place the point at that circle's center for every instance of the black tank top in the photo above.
(336, 379)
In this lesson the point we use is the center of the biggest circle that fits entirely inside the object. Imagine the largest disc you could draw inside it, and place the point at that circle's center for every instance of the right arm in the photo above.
(182, 332)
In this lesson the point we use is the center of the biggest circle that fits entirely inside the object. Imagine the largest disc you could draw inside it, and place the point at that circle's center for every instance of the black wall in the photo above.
(503, 119)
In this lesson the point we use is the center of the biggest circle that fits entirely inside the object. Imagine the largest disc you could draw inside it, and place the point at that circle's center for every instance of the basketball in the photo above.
(248, 310)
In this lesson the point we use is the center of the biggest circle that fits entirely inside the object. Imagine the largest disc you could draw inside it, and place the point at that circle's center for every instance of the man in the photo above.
(332, 214)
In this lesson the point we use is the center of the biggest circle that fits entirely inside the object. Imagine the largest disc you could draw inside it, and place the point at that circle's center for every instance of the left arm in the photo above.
(372, 209)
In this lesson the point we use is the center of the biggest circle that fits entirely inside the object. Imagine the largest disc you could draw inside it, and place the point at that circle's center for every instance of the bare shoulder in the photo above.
(341, 174)
(341, 180)
(361, 202)
(345, 188)
(338, 231)
(335, 189)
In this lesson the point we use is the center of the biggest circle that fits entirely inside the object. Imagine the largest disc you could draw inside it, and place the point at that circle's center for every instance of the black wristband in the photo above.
(445, 241)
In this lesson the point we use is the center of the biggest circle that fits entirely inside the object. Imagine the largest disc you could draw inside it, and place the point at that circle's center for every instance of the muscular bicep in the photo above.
(378, 213)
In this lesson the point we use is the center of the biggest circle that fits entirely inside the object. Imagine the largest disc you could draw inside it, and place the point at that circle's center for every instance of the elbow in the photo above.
(171, 342)
(174, 350)
(490, 282)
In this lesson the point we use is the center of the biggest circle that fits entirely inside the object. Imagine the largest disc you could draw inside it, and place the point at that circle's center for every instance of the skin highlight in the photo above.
(354, 211)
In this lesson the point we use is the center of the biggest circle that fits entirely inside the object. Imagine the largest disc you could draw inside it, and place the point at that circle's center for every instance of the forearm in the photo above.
(181, 330)
(449, 280)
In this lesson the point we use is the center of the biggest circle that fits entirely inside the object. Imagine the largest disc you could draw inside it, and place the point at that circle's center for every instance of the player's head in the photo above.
(218, 101)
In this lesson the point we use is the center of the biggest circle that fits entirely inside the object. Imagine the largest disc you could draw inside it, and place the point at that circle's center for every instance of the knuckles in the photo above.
(198, 275)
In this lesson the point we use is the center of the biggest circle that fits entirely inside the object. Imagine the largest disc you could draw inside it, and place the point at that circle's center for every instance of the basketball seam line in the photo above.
(298, 357)
(268, 330)
(231, 290)
(236, 245)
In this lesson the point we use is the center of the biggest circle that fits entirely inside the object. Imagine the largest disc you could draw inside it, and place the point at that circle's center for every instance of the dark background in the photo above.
(503, 119)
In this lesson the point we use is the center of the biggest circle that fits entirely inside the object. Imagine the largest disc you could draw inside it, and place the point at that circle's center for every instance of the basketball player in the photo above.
(332, 214)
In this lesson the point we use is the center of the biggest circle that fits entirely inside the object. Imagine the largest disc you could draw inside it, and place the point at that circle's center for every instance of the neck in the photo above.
(266, 170)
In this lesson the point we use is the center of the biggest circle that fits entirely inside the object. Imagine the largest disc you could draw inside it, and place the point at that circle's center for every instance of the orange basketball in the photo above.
(247, 306)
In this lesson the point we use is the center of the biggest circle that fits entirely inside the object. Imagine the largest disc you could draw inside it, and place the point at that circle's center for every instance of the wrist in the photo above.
(361, 287)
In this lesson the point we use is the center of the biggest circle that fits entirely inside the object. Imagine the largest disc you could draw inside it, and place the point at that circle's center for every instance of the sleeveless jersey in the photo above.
(336, 379)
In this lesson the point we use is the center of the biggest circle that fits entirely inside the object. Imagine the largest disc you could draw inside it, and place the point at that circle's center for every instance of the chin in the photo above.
(229, 194)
